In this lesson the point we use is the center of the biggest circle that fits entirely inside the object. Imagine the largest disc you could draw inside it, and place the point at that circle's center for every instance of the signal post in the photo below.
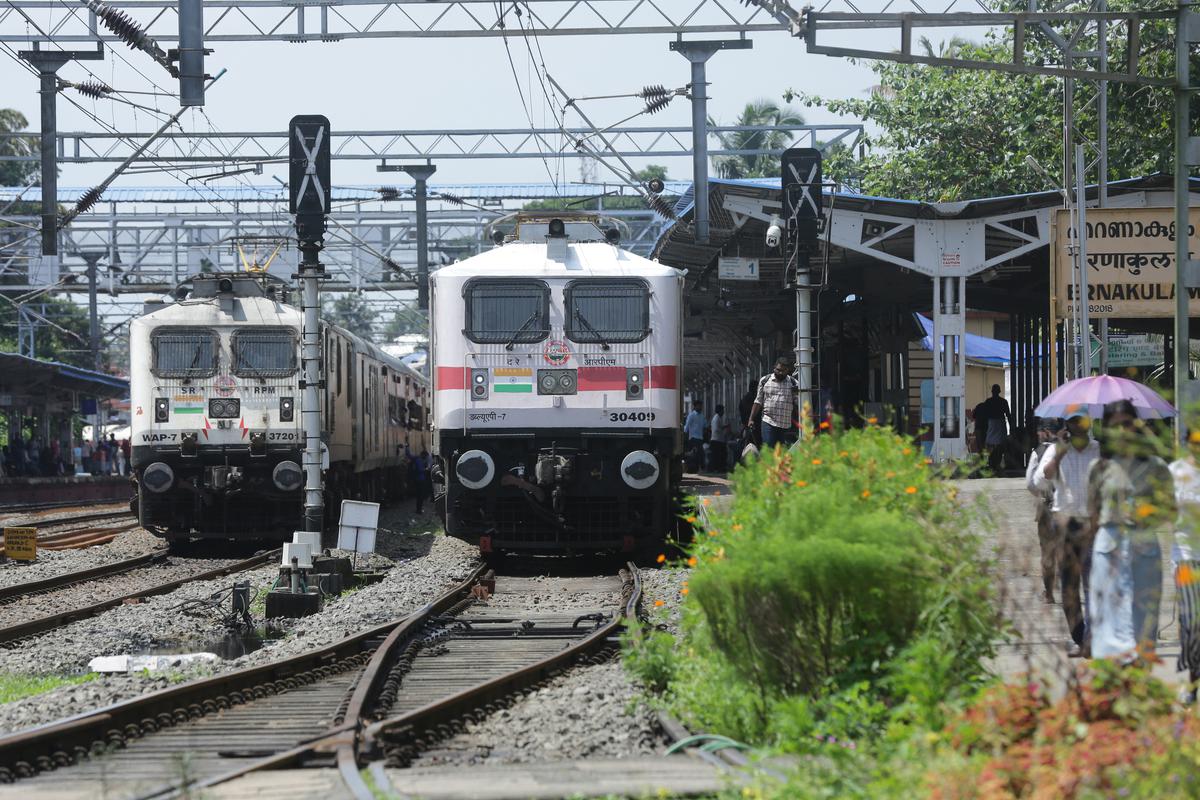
(309, 190)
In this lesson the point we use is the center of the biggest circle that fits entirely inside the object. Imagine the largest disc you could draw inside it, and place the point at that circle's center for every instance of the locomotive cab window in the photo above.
(264, 352)
(507, 311)
(184, 352)
(607, 311)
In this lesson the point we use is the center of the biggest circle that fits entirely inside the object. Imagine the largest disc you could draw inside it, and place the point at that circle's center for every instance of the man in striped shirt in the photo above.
(1064, 470)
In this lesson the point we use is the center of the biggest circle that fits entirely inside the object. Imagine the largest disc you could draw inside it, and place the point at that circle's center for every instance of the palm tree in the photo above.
(759, 112)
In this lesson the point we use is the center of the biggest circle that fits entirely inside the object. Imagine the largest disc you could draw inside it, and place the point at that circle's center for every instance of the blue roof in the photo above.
(13, 362)
(979, 348)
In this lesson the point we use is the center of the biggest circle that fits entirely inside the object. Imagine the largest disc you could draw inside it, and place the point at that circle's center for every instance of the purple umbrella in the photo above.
(1090, 395)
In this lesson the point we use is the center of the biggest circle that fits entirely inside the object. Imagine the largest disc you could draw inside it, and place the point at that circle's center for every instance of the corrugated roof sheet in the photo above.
(67, 376)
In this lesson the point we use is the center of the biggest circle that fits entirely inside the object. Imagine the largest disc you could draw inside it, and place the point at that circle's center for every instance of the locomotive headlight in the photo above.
(479, 384)
(639, 470)
(475, 469)
(287, 476)
(158, 477)
(287, 409)
(634, 378)
(162, 409)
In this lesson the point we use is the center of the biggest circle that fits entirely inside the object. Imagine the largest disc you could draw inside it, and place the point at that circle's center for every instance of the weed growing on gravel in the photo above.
(14, 686)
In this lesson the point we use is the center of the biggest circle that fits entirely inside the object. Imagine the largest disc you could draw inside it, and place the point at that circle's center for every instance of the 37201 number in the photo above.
(631, 416)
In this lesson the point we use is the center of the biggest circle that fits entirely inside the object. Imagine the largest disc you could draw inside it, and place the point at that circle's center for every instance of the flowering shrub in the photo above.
(832, 558)
(1113, 733)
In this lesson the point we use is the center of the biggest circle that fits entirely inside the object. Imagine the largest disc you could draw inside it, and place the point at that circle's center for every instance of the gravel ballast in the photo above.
(589, 712)
(66, 701)
(51, 563)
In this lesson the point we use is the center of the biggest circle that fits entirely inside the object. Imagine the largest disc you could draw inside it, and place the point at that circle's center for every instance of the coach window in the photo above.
(184, 353)
(264, 352)
(507, 311)
(607, 311)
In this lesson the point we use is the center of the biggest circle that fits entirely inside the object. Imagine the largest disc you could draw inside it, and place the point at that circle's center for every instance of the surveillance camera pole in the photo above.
(308, 186)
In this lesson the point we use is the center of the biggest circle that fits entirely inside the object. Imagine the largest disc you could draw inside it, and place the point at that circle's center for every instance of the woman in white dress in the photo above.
(1185, 551)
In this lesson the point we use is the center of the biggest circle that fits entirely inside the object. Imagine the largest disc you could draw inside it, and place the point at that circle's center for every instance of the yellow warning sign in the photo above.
(21, 543)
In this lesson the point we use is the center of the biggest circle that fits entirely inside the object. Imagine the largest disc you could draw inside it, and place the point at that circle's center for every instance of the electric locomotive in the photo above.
(556, 368)
(216, 425)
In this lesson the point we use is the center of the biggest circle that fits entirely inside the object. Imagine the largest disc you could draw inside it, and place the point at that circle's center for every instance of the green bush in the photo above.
(829, 559)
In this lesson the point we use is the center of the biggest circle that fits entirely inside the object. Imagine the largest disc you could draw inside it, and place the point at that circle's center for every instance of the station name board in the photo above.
(1130, 262)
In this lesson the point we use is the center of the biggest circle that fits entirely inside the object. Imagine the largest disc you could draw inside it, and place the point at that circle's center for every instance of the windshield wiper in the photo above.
(604, 345)
(513, 339)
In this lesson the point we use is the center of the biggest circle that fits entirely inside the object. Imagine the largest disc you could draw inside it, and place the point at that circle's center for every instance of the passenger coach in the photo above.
(556, 361)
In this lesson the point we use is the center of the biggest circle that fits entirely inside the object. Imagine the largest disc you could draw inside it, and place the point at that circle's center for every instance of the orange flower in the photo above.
(910, 490)
(906, 451)
(659, 604)
(661, 558)
(712, 533)
(705, 501)
(824, 425)
(866, 493)
(685, 583)
(1145, 510)
(816, 462)
(692, 561)
(737, 527)
(872, 420)
(691, 519)
(801, 484)
(683, 590)
(844, 453)
(890, 474)
(1184, 575)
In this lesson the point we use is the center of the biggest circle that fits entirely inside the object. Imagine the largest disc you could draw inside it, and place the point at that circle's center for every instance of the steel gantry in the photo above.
(270, 147)
(257, 21)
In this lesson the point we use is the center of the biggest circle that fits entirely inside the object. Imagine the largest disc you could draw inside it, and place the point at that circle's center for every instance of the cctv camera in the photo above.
(775, 232)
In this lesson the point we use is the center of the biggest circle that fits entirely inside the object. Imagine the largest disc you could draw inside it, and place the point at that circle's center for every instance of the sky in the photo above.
(440, 83)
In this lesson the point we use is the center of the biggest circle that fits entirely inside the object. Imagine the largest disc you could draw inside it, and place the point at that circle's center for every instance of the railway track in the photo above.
(10, 636)
(75, 538)
(387, 692)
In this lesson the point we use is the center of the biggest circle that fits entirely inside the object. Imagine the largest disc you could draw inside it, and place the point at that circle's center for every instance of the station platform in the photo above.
(64, 489)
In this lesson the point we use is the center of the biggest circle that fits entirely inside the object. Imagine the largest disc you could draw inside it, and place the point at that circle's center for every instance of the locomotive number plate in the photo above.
(631, 416)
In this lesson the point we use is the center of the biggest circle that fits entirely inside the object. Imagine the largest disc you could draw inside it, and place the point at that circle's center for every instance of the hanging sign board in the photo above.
(730, 268)
(21, 543)
(1135, 350)
(1130, 262)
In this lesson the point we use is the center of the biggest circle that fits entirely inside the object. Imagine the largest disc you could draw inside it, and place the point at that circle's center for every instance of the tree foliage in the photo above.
(404, 321)
(757, 112)
(941, 134)
(16, 173)
(352, 312)
(60, 329)
(650, 172)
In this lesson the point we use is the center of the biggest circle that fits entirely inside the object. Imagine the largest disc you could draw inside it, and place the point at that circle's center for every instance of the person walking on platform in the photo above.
(1130, 500)
(1043, 516)
(693, 429)
(718, 441)
(1185, 555)
(777, 401)
(1063, 470)
(999, 420)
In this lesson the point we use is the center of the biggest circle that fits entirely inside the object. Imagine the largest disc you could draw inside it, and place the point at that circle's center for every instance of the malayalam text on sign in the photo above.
(1130, 262)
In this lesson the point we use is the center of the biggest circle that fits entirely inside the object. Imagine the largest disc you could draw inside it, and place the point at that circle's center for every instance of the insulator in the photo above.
(89, 199)
(122, 26)
(658, 104)
(656, 90)
(451, 198)
(95, 89)
(388, 193)
(660, 204)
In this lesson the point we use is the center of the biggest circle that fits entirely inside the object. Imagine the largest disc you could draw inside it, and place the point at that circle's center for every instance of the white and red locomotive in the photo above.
(556, 368)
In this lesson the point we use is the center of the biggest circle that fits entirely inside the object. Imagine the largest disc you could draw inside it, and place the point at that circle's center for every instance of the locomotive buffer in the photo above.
(309, 190)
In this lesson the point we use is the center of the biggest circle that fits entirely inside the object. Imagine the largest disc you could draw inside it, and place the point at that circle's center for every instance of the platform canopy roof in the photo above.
(24, 376)
(867, 298)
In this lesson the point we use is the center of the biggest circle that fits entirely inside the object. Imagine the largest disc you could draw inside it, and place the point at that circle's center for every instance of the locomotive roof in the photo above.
(583, 259)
